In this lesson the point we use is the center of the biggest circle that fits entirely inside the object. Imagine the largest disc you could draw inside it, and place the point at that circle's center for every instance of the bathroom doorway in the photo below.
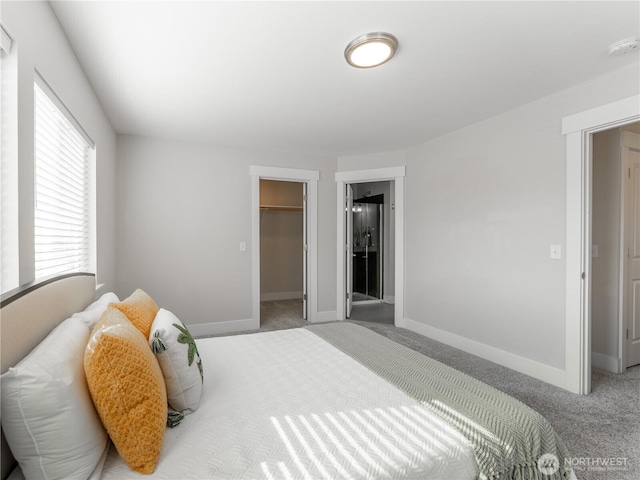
(371, 256)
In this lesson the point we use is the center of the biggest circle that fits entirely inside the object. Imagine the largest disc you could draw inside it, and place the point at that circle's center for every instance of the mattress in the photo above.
(287, 404)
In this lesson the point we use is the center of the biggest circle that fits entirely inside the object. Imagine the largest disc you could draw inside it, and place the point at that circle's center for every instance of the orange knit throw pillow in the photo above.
(128, 390)
(140, 309)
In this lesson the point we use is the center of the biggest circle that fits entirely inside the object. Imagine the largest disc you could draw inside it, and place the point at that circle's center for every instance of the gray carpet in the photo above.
(277, 314)
(603, 426)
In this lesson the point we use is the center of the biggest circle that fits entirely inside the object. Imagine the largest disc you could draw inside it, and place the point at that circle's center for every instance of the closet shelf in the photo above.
(281, 208)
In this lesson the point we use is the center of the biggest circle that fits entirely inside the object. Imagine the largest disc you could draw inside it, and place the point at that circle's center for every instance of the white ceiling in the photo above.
(272, 75)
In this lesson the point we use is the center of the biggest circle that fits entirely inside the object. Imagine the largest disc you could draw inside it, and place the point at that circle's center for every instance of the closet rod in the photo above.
(281, 208)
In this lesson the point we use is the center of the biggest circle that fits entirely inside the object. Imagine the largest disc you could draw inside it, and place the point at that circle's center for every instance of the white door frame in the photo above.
(310, 177)
(578, 130)
(349, 250)
(396, 175)
(305, 254)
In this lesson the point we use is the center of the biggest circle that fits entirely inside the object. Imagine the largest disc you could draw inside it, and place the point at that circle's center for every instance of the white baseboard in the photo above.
(267, 297)
(605, 362)
(329, 316)
(546, 373)
(391, 299)
(216, 328)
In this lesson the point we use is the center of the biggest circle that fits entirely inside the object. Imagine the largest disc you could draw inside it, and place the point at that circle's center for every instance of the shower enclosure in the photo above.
(367, 248)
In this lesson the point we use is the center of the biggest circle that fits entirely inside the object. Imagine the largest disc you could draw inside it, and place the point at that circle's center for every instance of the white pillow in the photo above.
(93, 312)
(179, 361)
(47, 414)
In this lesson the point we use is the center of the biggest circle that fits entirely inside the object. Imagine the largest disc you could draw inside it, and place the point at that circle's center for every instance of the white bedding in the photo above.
(287, 404)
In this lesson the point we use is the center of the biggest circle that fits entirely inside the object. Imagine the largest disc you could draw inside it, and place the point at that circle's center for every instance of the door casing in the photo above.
(349, 249)
(310, 178)
(578, 130)
(396, 175)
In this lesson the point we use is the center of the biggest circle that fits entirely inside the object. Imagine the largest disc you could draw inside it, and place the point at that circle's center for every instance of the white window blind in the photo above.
(62, 187)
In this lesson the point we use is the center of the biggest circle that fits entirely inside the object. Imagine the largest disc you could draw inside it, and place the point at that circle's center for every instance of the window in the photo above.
(63, 182)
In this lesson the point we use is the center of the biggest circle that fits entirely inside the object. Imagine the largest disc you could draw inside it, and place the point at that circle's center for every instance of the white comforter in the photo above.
(287, 404)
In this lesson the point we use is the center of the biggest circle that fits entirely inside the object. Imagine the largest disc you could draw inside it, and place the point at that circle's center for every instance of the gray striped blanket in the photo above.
(508, 438)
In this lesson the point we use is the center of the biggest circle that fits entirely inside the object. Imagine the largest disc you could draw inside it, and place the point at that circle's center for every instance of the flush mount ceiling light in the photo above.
(371, 49)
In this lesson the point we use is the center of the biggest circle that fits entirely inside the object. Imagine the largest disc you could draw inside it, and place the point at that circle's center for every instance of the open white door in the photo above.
(305, 250)
(632, 244)
(349, 248)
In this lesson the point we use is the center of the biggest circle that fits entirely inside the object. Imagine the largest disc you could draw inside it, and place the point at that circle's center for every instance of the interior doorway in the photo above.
(309, 178)
(345, 181)
(283, 253)
(370, 284)
(578, 130)
(615, 248)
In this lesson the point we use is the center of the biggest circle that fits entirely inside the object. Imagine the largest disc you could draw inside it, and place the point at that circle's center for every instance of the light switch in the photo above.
(243, 246)
(594, 251)
(555, 252)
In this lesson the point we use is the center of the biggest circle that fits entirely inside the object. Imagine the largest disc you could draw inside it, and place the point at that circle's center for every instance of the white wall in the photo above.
(184, 208)
(483, 205)
(372, 160)
(41, 44)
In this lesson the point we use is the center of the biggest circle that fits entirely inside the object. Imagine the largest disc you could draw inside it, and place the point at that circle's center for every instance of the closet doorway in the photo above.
(283, 253)
(310, 180)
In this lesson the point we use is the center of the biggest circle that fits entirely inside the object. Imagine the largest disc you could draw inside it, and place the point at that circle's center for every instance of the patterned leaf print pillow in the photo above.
(179, 361)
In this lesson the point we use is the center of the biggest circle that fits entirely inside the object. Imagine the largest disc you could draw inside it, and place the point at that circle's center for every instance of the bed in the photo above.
(325, 401)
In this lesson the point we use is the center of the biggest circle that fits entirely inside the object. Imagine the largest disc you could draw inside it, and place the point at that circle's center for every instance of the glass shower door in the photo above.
(367, 252)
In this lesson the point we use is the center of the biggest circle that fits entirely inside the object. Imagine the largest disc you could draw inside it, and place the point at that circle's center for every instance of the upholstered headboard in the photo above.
(28, 314)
